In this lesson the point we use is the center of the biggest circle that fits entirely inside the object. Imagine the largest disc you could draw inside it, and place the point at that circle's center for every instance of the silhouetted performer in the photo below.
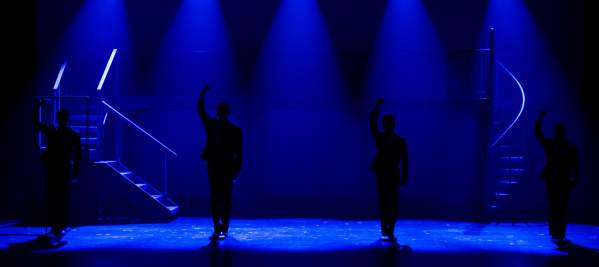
(222, 153)
(560, 174)
(391, 168)
(62, 158)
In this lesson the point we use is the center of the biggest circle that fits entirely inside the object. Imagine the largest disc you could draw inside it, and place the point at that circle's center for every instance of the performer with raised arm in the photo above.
(223, 155)
(391, 168)
(560, 175)
(62, 158)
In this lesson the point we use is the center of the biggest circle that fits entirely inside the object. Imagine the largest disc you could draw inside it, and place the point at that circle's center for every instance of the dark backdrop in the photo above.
(301, 79)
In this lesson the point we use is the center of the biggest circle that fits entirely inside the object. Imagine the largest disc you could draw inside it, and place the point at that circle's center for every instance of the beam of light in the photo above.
(196, 48)
(59, 77)
(408, 54)
(298, 46)
(107, 69)
(521, 106)
(138, 127)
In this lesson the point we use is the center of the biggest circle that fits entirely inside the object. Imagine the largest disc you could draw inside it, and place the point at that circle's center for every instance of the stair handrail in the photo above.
(522, 105)
(111, 108)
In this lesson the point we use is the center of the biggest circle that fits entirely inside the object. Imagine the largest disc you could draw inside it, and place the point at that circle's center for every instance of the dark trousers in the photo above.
(388, 191)
(58, 197)
(558, 204)
(221, 195)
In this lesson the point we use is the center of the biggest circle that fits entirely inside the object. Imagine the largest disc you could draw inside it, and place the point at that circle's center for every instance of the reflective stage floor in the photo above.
(305, 242)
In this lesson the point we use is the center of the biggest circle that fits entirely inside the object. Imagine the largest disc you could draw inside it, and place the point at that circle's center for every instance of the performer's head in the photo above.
(63, 118)
(388, 123)
(559, 131)
(222, 111)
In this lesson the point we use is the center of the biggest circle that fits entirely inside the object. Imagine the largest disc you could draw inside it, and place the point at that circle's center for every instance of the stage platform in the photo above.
(305, 242)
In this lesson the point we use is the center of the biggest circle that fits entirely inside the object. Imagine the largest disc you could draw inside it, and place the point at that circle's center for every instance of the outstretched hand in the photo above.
(205, 89)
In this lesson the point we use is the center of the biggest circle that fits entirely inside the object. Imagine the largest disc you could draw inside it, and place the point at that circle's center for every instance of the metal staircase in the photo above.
(108, 175)
(507, 160)
(141, 184)
(507, 175)
(503, 159)
(92, 129)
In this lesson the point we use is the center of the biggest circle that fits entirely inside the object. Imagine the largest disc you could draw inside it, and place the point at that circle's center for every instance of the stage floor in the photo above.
(301, 242)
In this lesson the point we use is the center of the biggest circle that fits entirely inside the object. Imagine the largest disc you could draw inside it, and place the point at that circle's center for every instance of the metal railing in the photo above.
(167, 150)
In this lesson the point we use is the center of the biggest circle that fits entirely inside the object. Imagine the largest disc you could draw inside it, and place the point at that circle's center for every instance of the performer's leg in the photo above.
(227, 204)
(393, 193)
(382, 204)
(52, 199)
(62, 209)
(215, 203)
(561, 213)
(552, 214)
(388, 202)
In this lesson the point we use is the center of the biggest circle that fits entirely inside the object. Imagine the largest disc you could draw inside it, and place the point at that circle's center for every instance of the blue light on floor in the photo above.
(190, 234)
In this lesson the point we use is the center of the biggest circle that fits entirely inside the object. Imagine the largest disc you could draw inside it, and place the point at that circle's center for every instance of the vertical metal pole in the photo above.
(165, 174)
(54, 107)
(491, 81)
(39, 119)
(87, 129)
(58, 99)
(489, 167)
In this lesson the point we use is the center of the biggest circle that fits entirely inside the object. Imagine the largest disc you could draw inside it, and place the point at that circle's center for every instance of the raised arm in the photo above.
(539, 128)
(374, 117)
(202, 105)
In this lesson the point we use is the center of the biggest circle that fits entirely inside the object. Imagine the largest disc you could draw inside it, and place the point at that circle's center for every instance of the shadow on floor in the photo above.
(215, 254)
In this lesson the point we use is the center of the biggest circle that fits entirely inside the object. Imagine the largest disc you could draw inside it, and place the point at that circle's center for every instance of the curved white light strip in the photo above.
(521, 107)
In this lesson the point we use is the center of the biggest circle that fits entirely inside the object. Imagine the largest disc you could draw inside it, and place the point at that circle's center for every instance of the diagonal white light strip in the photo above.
(59, 77)
(107, 69)
(105, 117)
(521, 106)
(138, 127)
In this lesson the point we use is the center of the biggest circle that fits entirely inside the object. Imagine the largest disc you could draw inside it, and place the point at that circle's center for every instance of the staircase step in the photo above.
(90, 127)
(81, 129)
(172, 208)
(512, 158)
(512, 170)
(508, 182)
(142, 185)
(82, 117)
